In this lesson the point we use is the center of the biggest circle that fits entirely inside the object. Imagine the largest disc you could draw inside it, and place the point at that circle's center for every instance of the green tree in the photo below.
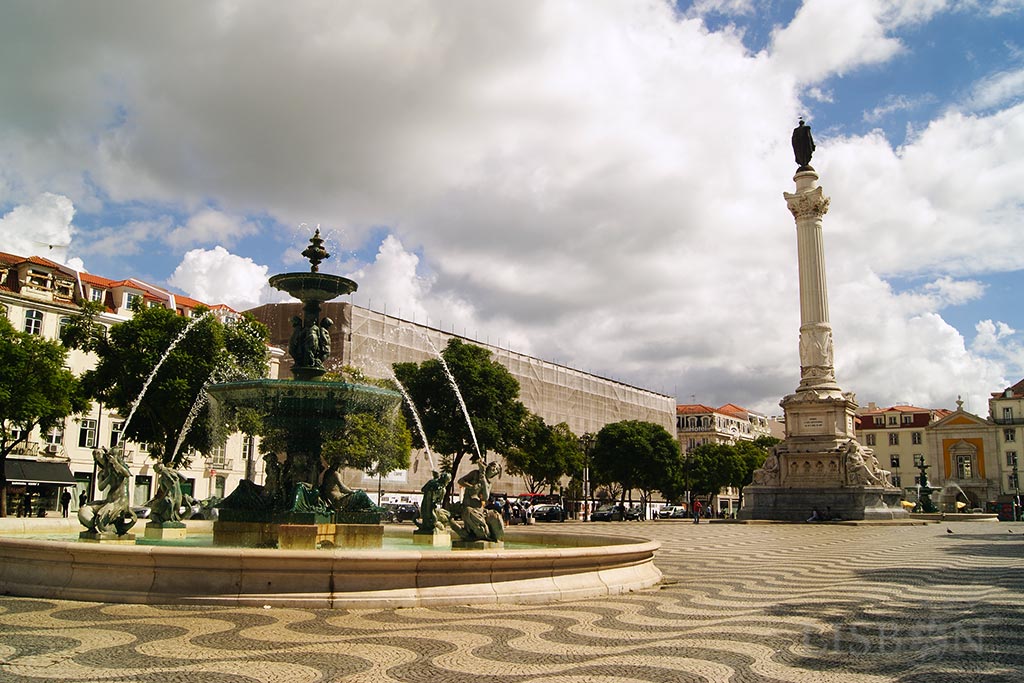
(711, 467)
(208, 351)
(544, 454)
(491, 396)
(635, 454)
(35, 391)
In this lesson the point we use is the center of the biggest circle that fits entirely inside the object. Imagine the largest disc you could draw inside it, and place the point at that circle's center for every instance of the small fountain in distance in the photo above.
(295, 509)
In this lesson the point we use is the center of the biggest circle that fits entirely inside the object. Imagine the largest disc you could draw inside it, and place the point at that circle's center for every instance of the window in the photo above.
(55, 436)
(879, 420)
(34, 321)
(1013, 482)
(892, 420)
(218, 486)
(87, 434)
(908, 419)
(1011, 458)
(96, 294)
(894, 439)
(1007, 413)
(871, 439)
(116, 432)
(964, 468)
(915, 438)
(1009, 435)
(894, 460)
(132, 300)
(248, 447)
(896, 480)
(64, 289)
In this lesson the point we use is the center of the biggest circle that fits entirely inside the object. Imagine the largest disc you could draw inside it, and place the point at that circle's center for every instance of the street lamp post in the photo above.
(1016, 492)
(587, 444)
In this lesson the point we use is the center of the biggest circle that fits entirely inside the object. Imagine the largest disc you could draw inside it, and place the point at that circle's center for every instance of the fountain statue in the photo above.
(110, 518)
(481, 527)
(301, 488)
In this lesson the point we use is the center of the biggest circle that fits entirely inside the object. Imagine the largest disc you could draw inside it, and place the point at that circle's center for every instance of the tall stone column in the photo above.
(819, 470)
(808, 205)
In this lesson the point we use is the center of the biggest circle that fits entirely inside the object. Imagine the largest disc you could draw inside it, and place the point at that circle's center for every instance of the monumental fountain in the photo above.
(298, 509)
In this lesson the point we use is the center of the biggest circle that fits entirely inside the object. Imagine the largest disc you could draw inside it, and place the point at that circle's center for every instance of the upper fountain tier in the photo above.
(314, 286)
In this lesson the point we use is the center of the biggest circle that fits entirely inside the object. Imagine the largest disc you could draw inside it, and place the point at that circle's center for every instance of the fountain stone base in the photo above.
(289, 536)
(106, 538)
(165, 531)
(478, 545)
(437, 539)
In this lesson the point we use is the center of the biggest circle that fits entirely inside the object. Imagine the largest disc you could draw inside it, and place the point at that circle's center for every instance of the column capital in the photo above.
(810, 204)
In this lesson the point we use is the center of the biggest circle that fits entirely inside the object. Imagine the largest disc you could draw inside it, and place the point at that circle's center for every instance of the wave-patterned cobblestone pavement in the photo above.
(798, 603)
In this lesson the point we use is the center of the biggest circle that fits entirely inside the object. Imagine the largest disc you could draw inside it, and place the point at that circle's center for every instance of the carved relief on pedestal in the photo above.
(811, 204)
(862, 468)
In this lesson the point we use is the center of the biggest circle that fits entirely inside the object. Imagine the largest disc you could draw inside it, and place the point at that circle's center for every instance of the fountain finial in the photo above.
(315, 252)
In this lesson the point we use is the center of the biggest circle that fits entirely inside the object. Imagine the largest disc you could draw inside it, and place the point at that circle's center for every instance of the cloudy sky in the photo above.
(596, 182)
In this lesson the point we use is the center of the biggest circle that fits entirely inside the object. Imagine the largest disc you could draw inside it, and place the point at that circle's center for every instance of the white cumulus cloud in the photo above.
(216, 276)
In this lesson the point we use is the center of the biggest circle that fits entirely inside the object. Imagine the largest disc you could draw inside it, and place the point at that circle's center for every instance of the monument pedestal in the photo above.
(821, 467)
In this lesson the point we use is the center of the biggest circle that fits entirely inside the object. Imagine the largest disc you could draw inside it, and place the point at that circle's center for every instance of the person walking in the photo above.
(65, 502)
(697, 507)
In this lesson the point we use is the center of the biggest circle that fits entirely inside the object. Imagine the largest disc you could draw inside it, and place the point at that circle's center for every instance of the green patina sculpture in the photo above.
(165, 507)
(924, 497)
(111, 514)
(433, 517)
(478, 523)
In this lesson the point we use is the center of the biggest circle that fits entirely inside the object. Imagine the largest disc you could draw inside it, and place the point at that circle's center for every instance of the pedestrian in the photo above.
(82, 499)
(65, 502)
(697, 507)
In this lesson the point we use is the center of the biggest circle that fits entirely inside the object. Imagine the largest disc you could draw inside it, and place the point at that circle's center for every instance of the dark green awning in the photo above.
(37, 472)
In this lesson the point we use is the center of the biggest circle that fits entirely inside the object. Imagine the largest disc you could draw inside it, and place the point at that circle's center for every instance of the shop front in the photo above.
(34, 486)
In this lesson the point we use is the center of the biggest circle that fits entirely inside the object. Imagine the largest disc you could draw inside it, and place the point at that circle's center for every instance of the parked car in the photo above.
(548, 513)
(609, 512)
(680, 512)
(633, 513)
(666, 511)
(401, 512)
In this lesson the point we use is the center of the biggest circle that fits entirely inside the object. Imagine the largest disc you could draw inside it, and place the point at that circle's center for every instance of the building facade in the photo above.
(698, 424)
(898, 435)
(39, 296)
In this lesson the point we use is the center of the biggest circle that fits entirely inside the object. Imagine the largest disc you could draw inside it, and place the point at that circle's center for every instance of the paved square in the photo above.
(759, 602)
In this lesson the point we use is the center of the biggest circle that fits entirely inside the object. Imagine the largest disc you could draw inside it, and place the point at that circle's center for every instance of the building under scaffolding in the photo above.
(373, 341)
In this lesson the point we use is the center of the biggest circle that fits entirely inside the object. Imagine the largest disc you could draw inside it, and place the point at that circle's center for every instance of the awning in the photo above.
(36, 472)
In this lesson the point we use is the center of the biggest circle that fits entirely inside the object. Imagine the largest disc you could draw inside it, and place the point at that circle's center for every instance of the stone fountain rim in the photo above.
(146, 574)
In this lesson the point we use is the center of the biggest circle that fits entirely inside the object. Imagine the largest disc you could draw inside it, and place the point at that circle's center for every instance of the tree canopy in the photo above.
(204, 350)
(491, 396)
(36, 390)
(635, 454)
(544, 454)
